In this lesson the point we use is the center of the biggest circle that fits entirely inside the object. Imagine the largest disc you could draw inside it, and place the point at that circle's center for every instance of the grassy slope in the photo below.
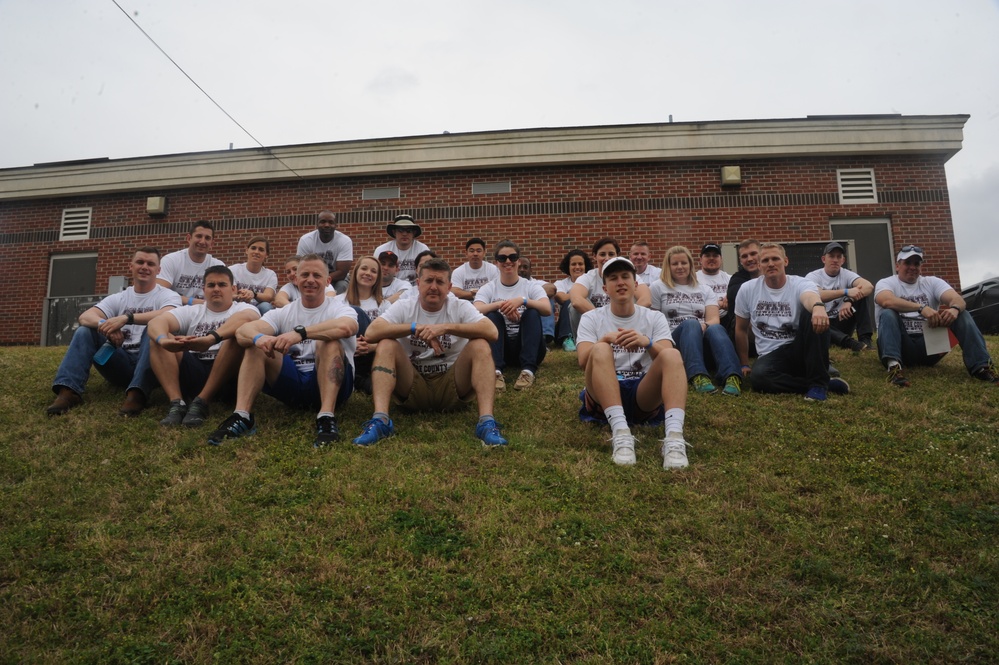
(862, 529)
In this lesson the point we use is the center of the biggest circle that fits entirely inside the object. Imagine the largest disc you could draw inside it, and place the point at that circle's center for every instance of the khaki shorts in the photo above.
(434, 393)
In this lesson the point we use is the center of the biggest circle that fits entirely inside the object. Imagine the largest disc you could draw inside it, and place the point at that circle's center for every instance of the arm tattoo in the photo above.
(336, 370)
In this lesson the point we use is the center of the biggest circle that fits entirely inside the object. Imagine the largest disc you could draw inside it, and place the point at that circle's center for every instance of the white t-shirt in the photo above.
(523, 288)
(594, 285)
(285, 319)
(184, 275)
(339, 248)
(564, 285)
(629, 364)
(127, 301)
(650, 275)
(825, 282)
(717, 283)
(369, 306)
(259, 281)
(454, 310)
(395, 287)
(407, 258)
(773, 313)
(294, 294)
(682, 301)
(926, 291)
(467, 278)
(198, 320)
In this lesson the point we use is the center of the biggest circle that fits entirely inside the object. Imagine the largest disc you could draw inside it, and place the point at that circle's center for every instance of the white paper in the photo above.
(937, 340)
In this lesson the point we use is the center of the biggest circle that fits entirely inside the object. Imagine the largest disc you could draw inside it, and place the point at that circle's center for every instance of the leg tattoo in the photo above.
(336, 370)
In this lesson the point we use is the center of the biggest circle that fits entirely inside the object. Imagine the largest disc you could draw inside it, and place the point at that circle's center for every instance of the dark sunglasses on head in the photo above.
(912, 248)
(503, 258)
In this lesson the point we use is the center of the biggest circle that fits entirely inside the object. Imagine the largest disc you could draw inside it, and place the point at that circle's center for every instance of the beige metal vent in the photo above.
(856, 186)
(75, 224)
(490, 188)
(369, 193)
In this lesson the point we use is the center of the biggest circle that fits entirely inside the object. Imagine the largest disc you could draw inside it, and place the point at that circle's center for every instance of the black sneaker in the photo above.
(233, 427)
(327, 432)
(896, 378)
(854, 345)
(196, 413)
(988, 374)
(175, 416)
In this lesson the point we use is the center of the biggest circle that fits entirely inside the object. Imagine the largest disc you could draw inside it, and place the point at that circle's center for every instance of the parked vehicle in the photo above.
(983, 305)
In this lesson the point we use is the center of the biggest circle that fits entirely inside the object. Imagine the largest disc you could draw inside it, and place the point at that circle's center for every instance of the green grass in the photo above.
(864, 529)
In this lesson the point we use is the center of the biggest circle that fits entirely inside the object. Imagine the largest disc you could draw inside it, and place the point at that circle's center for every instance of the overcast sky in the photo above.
(78, 80)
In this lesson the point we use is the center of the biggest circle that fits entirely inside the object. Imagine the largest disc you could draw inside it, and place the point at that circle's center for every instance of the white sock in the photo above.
(527, 371)
(616, 418)
(245, 414)
(325, 413)
(674, 421)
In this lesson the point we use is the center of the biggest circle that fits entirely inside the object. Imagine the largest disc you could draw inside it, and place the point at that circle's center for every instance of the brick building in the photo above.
(69, 228)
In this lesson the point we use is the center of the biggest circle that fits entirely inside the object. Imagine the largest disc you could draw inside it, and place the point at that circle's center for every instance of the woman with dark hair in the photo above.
(574, 264)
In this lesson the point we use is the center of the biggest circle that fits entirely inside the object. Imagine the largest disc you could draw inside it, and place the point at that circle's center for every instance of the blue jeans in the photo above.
(548, 322)
(564, 330)
(528, 347)
(712, 346)
(121, 369)
(796, 366)
(895, 344)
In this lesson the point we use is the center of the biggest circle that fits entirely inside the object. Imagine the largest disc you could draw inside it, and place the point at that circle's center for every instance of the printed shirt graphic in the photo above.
(467, 278)
(454, 310)
(825, 282)
(717, 283)
(682, 302)
(407, 258)
(594, 284)
(926, 291)
(127, 301)
(523, 288)
(773, 313)
(285, 319)
(184, 275)
(339, 248)
(629, 364)
(198, 320)
(260, 281)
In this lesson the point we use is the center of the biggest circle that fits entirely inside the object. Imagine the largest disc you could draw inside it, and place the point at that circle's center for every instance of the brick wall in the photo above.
(549, 211)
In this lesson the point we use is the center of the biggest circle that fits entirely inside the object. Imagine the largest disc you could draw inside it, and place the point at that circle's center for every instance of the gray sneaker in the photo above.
(674, 450)
(175, 416)
(196, 413)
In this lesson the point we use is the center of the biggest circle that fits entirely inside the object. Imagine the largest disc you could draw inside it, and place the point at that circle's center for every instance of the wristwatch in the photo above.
(301, 331)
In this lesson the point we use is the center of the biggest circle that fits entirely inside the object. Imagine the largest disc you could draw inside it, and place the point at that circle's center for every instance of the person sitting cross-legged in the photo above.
(515, 305)
(301, 354)
(432, 354)
(188, 351)
(633, 373)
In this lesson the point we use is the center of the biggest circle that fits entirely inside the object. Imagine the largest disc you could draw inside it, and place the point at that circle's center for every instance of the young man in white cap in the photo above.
(907, 303)
(633, 373)
(404, 245)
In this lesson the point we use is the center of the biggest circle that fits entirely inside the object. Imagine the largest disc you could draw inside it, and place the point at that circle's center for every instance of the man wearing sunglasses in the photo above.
(908, 303)
(515, 305)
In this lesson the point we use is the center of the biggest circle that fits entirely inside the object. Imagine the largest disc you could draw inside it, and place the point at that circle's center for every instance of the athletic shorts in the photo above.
(301, 389)
(629, 392)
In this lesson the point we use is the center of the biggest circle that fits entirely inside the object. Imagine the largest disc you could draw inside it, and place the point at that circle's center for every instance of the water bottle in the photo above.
(105, 352)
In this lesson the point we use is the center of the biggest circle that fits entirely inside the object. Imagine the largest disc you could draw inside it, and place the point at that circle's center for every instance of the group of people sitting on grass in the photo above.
(403, 327)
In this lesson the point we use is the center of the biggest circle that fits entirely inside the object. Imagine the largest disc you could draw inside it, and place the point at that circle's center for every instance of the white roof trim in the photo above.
(725, 140)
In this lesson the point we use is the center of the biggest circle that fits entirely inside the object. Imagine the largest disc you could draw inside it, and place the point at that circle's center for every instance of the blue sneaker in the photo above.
(839, 386)
(816, 394)
(489, 433)
(374, 431)
(233, 427)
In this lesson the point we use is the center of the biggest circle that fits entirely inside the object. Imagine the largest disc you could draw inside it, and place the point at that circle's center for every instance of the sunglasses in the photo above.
(912, 248)
(503, 258)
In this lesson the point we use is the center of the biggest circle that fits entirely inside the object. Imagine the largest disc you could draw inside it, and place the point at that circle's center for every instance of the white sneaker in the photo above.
(675, 452)
(623, 443)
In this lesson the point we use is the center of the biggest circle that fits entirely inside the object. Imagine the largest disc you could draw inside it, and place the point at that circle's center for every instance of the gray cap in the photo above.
(831, 246)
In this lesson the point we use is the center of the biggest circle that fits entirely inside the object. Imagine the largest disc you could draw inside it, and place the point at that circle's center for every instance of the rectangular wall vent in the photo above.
(490, 188)
(75, 224)
(856, 186)
(370, 193)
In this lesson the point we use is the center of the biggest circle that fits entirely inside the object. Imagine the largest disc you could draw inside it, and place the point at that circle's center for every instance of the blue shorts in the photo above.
(301, 389)
(629, 390)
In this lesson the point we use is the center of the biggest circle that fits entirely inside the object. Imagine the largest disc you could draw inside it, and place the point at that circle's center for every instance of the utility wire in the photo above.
(205, 93)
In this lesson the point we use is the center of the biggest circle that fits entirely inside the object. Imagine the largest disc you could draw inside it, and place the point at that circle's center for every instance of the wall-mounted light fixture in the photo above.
(731, 176)
(156, 205)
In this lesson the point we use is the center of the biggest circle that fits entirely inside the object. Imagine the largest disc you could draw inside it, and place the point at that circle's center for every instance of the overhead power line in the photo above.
(203, 91)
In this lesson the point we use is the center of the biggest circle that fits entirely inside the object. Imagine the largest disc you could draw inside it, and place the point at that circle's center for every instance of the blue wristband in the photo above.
(159, 338)
(412, 328)
(256, 337)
